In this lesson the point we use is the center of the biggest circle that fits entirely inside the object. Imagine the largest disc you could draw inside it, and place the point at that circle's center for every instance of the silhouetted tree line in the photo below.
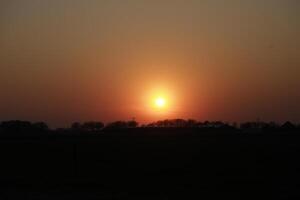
(255, 125)
(87, 126)
(122, 125)
(17, 126)
(97, 126)
(190, 123)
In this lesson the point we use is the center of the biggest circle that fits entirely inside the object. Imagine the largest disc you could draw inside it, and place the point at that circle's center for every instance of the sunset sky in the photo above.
(77, 60)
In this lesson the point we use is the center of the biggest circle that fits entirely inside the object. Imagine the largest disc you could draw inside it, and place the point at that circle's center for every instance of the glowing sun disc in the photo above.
(160, 102)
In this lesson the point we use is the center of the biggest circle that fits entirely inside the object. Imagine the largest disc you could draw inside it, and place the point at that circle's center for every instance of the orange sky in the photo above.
(64, 61)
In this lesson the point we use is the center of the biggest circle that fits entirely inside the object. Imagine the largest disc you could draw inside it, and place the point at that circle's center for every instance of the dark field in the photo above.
(151, 164)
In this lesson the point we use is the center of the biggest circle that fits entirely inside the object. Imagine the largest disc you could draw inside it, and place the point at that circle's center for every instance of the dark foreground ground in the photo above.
(152, 164)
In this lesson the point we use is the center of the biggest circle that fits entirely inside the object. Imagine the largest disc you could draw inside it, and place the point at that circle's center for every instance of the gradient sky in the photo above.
(70, 60)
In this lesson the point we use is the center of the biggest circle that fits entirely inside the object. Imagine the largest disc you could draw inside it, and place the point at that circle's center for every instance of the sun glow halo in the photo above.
(160, 102)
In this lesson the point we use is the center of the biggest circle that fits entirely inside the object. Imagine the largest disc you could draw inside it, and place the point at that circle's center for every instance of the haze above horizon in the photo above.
(66, 61)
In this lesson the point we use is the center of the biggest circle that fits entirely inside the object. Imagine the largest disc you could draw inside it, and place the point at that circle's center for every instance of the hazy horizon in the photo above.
(65, 61)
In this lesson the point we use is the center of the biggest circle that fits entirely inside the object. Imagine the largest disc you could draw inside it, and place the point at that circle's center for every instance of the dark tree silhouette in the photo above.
(76, 126)
(132, 124)
(116, 125)
(288, 126)
(179, 123)
(40, 126)
(17, 127)
(92, 126)
(122, 124)
(191, 123)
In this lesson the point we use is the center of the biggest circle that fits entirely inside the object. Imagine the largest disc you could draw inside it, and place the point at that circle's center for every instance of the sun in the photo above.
(160, 102)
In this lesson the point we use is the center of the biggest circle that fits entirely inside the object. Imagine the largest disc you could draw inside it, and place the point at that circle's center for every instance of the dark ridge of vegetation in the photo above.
(23, 128)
